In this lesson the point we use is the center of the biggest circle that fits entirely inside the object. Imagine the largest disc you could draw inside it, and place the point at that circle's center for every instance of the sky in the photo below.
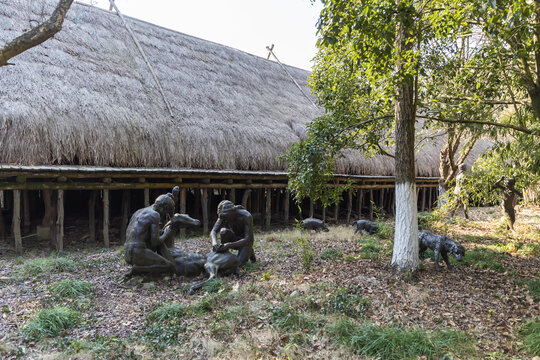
(247, 25)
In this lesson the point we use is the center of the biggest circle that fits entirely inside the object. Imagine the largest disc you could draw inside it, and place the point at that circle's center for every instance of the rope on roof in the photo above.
(271, 50)
(143, 55)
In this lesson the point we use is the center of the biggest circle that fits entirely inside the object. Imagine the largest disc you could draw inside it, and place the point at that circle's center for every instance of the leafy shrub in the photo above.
(49, 322)
(70, 288)
(306, 252)
(370, 249)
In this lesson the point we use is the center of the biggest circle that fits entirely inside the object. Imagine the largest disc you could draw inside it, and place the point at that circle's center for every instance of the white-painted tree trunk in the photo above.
(405, 254)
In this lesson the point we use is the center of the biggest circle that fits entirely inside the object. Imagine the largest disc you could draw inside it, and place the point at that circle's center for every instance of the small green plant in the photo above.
(70, 288)
(167, 312)
(331, 253)
(49, 322)
(267, 275)
(290, 319)
(346, 301)
(250, 267)
(534, 287)
(41, 266)
(530, 333)
(306, 251)
(394, 342)
(370, 249)
(483, 258)
(215, 285)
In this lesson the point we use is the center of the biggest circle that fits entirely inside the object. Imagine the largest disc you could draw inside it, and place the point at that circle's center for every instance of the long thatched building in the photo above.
(86, 116)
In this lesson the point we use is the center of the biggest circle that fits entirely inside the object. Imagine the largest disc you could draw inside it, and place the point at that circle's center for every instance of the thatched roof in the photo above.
(87, 97)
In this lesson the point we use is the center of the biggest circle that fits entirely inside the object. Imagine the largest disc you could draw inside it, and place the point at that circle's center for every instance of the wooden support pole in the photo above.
(349, 207)
(92, 216)
(336, 210)
(60, 221)
(371, 204)
(268, 212)
(16, 221)
(360, 200)
(182, 208)
(126, 211)
(204, 206)
(381, 198)
(2, 225)
(245, 198)
(197, 209)
(26, 210)
(423, 199)
(146, 197)
(286, 207)
(324, 213)
(430, 200)
(310, 208)
(232, 196)
(106, 240)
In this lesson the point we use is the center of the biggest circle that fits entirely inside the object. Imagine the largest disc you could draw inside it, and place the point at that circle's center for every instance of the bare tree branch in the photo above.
(487, 123)
(36, 35)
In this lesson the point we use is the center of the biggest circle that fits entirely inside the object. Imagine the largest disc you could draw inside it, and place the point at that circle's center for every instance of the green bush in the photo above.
(370, 249)
(530, 333)
(70, 288)
(49, 322)
(484, 259)
(41, 266)
(398, 343)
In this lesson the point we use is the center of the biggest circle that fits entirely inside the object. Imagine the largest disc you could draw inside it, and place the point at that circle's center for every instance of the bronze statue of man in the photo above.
(143, 238)
(508, 199)
(235, 228)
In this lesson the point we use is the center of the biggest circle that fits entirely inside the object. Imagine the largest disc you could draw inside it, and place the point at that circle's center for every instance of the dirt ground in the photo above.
(487, 300)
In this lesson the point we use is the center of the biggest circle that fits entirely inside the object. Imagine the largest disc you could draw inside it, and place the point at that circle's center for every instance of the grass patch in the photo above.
(70, 288)
(49, 322)
(331, 253)
(346, 301)
(483, 259)
(288, 318)
(101, 347)
(250, 267)
(398, 343)
(371, 249)
(215, 285)
(41, 266)
(167, 313)
(530, 334)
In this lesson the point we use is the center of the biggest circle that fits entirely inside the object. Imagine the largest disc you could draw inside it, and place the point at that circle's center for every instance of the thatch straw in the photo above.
(87, 97)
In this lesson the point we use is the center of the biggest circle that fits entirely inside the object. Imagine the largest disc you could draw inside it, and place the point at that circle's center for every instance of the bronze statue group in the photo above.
(151, 232)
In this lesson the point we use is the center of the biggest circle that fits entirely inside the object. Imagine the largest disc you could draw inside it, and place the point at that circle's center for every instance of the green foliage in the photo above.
(331, 253)
(534, 287)
(483, 258)
(102, 347)
(347, 302)
(290, 319)
(49, 322)
(70, 288)
(371, 249)
(167, 313)
(43, 266)
(530, 333)
(215, 285)
(394, 342)
(305, 250)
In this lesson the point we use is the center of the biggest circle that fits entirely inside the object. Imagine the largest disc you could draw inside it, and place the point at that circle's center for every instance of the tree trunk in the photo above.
(405, 254)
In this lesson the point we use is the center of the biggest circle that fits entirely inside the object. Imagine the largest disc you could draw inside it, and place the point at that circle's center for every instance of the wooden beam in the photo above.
(60, 221)
(268, 213)
(92, 216)
(126, 210)
(336, 207)
(106, 240)
(16, 221)
(146, 197)
(430, 201)
(204, 206)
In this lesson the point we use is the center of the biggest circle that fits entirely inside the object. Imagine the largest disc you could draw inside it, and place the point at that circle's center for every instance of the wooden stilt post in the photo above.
(336, 210)
(232, 196)
(146, 197)
(381, 199)
(16, 221)
(126, 210)
(245, 198)
(204, 206)
(182, 208)
(106, 240)
(324, 213)
(430, 200)
(197, 203)
(286, 207)
(349, 206)
(423, 199)
(268, 212)
(60, 221)
(26, 210)
(310, 208)
(360, 200)
(92, 215)
(371, 204)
